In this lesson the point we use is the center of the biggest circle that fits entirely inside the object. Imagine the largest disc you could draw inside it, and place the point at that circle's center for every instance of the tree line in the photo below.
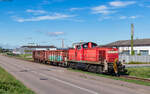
(2, 50)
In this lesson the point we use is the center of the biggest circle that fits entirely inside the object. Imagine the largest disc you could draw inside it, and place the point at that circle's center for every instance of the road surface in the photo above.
(46, 79)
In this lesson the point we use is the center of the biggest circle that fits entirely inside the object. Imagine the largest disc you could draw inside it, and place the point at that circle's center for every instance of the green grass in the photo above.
(113, 77)
(142, 72)
(138, 63)
(27, 57)
(9, 84)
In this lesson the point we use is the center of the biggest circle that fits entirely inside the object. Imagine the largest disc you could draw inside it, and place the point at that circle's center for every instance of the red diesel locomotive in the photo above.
(85, 56)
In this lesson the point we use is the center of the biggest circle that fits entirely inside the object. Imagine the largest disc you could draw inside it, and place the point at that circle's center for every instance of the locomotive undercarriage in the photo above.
(101, 68)
(97, 68)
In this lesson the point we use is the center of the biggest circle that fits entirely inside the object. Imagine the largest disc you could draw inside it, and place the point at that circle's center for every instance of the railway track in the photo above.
(135, 78)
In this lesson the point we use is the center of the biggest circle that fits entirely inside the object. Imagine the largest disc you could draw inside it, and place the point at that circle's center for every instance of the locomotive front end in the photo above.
(114, 65)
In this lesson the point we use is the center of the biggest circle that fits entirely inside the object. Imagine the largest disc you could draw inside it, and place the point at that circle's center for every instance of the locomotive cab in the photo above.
(84, 45)
(80, 50)
(90, 56)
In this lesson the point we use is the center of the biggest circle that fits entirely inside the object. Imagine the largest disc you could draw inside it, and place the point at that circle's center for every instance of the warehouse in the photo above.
(141, 46)
(29, 49)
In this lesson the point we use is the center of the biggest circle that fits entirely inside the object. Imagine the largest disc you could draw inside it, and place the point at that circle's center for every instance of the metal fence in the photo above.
(136, 58)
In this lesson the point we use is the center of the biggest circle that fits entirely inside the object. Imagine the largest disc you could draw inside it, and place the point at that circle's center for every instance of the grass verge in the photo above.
(27, 57)
(138, 63)
(142, 72)
(113, 77)
(9, 84)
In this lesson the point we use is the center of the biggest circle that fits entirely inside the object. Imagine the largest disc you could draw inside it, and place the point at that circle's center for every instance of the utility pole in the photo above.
(62, 43)
(132, 39)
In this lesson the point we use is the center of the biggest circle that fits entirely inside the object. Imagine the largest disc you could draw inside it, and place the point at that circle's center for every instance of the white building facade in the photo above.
(138, 50)
(141, 46)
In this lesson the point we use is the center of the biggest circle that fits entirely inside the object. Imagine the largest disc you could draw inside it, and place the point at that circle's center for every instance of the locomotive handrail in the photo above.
(115, 66)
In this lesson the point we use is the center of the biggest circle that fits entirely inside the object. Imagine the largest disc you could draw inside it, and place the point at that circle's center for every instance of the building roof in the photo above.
(39, 46)
(79, 43)
(137, 42)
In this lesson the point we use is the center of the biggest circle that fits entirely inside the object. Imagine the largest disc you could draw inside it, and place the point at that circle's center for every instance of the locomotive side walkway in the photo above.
(44, 79)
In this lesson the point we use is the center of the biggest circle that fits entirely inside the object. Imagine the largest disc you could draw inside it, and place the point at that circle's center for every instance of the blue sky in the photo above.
(47, 22)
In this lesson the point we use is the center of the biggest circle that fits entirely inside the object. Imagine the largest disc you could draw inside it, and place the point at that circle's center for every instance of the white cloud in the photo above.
(105, 18)
(111, 7)
(36, 11)
(56, 16)
(50, 33)
(102, 10)
(74, 9)
(55, 34)
(133, 17)
(128, 17)
(46, 2)
(123, 17)
(77, 20)
(121, 3)
(102, 7)
(10, 12)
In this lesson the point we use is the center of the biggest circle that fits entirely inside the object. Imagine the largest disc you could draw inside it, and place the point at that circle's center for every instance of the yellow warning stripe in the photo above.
(115, 66)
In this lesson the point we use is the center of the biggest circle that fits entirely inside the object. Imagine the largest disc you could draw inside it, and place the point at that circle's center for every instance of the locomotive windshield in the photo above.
(94, 45)
(78, 46)
(85, 45)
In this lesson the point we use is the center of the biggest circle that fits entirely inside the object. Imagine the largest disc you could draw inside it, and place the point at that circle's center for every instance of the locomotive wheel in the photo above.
(65, 65)
(60, 65)
(99, 69)
(35, 60)
(72, 65)
(86, 68)
(94, 68)
(90, 68)
(51, 63)
(57, 64)
(38, 61)
(68, 65)
(45, 62)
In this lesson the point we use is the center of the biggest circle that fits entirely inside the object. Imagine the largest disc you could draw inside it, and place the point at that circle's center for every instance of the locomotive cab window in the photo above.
(94, 45)
(78, 47)
(85, 46)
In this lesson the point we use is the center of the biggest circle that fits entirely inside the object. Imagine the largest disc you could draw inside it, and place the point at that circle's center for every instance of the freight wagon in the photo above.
(57, 57)
(53, 57)
(85, 56)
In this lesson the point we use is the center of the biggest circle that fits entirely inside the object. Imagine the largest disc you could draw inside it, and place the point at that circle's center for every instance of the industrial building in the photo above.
(141, 46)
